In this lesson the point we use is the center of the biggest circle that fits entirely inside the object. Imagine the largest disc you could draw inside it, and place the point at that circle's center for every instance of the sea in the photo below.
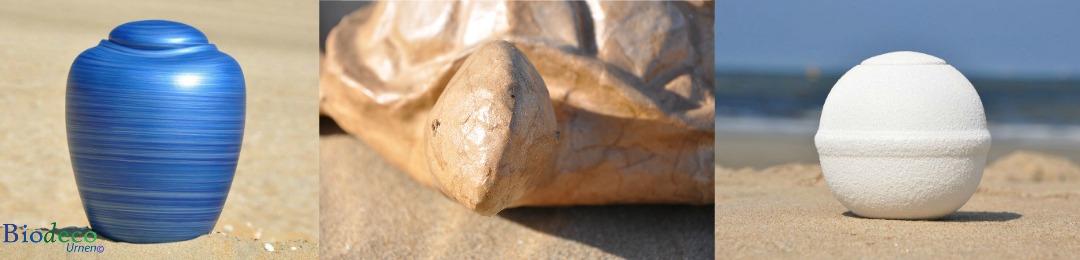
(769, 119)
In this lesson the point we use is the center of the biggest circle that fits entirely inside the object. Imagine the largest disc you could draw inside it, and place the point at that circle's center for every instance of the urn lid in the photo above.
(903, 58)
(157, 35)
(138, 55)
(903, 104)
(903, 92)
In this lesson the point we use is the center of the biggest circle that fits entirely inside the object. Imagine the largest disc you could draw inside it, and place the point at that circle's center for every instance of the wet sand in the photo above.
(274, 195)
(1027, 207)
(372, 210)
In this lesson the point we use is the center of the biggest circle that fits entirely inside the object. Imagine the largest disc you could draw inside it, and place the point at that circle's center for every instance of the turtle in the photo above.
(505, 104)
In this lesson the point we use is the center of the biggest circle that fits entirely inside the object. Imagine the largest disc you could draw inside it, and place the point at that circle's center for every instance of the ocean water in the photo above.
(767, 119)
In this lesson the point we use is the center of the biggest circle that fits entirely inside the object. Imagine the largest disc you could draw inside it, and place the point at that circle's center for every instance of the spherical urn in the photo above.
(155, 121)
(903, 136)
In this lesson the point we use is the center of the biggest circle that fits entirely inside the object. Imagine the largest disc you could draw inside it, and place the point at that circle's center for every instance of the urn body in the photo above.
(155, 122)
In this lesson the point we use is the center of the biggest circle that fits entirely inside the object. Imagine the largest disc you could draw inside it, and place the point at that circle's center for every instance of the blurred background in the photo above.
(331, 12)
(777, 60)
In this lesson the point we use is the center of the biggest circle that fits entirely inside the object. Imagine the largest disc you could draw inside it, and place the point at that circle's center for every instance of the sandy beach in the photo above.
(274, 194)
(217, 245)
(372, 210)
(1026, 207)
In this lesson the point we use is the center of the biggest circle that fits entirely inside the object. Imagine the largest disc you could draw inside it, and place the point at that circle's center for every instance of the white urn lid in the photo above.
(913, 99)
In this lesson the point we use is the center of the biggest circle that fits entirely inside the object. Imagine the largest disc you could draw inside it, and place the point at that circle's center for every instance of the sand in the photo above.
(1027, 207)
(372, 210)
(275, 191)
(217, 245)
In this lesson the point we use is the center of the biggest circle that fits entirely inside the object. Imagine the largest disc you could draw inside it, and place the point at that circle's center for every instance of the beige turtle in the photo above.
(505, 104)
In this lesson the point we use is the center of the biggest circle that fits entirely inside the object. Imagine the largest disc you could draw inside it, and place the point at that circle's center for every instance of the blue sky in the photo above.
(998, 39)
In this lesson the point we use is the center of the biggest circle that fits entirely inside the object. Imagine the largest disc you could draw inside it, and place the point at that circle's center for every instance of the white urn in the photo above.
(903, 136)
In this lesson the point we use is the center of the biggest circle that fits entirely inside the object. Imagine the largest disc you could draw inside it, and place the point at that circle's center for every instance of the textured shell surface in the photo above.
(903, 135)
(155, 121)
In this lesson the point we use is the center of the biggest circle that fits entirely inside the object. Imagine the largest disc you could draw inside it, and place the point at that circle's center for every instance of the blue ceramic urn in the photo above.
(155, 119)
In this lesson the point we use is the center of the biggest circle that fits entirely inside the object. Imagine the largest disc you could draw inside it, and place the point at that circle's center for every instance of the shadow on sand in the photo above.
(630, 231)
(967, 216)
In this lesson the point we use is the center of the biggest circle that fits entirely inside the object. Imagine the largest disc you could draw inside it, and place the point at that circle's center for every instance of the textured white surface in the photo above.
(903, 136)
(904, 58)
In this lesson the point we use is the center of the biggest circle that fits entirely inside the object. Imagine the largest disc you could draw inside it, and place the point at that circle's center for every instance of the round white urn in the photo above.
(903, 136)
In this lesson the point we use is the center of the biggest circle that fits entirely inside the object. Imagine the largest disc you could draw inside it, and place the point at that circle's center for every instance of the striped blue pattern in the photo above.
(157, 35)
(155, 126)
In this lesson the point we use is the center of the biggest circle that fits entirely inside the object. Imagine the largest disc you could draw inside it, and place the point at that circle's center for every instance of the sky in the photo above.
(990, 39)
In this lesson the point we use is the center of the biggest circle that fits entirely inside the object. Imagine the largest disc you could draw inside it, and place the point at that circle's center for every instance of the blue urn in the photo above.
(155, 120)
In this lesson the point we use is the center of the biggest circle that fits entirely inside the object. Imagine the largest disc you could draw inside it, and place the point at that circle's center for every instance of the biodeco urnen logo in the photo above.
(12, 235)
